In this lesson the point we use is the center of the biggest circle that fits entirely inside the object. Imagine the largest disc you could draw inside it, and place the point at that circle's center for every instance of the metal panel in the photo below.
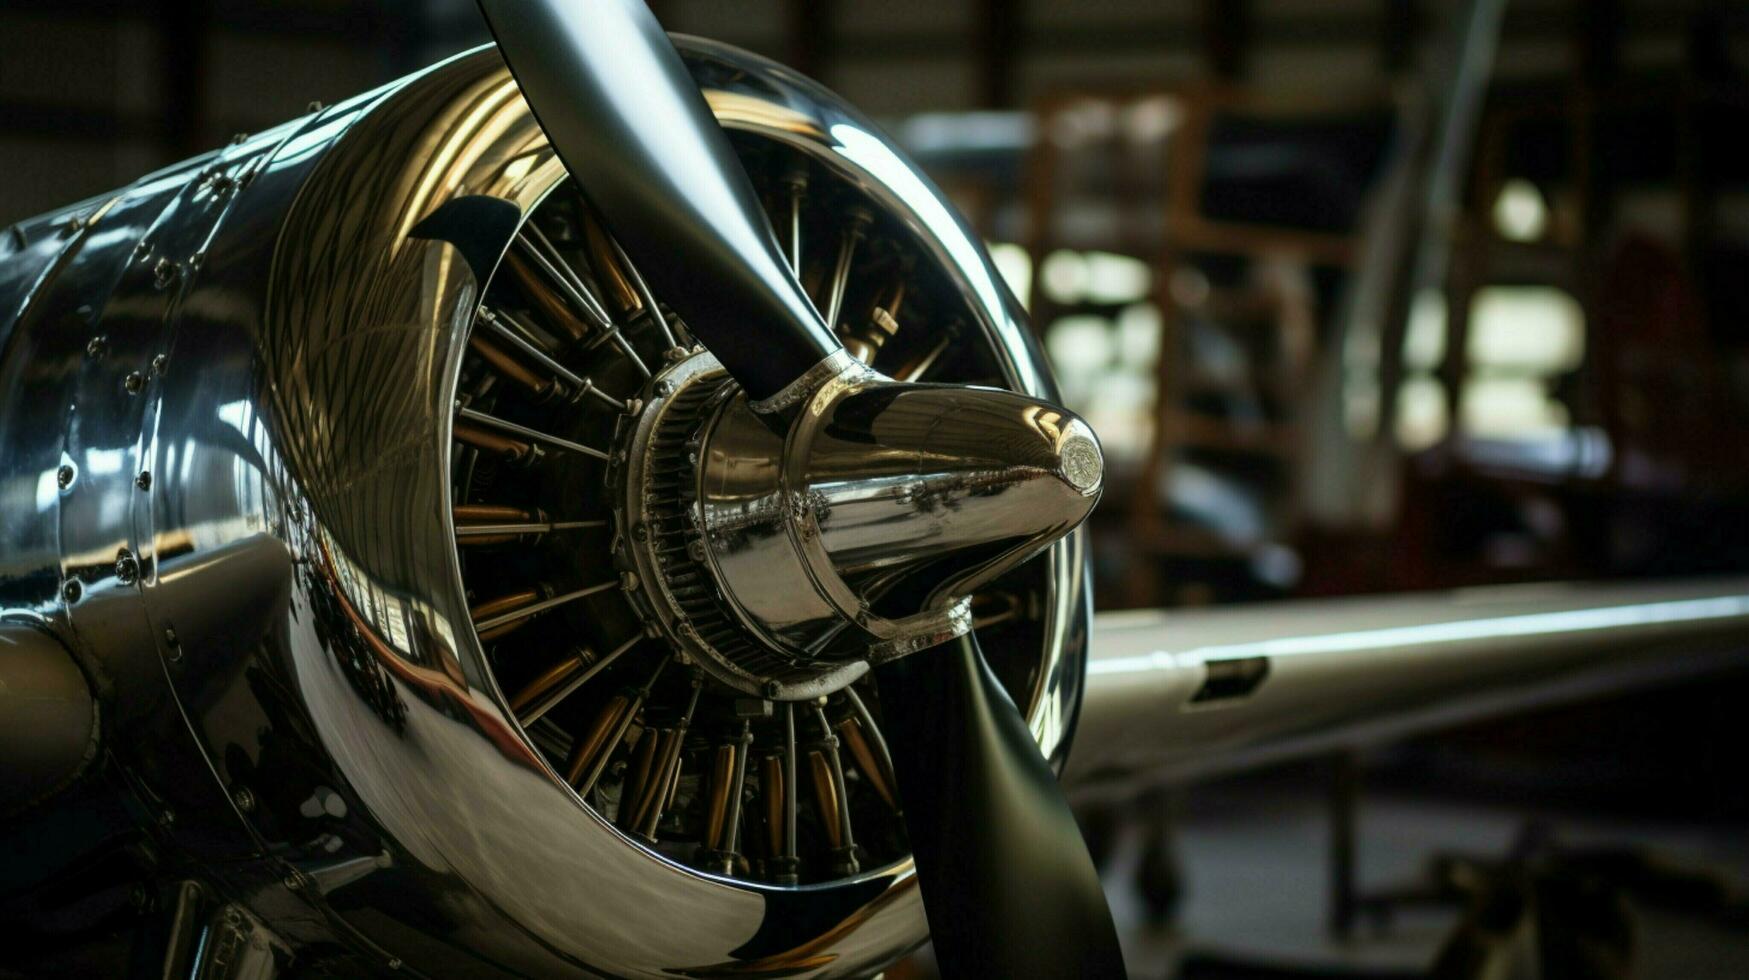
(1173, 696)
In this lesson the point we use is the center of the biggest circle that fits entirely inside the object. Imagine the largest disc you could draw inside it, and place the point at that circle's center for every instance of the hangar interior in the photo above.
(1361, 296)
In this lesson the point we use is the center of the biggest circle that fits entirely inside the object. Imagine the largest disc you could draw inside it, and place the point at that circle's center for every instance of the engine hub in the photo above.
(667, 545)
(787, 551)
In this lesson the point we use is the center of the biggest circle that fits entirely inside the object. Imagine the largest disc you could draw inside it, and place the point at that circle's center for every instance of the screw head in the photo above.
(134, 383)
(127, 567)
(71, 590)
(65, 475)
(160, 364)
(96, 346)
(773, 689)
(144, 480)
(244, 799)
(165, 272)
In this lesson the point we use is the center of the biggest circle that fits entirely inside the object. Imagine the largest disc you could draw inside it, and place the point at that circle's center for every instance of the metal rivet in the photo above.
(165, 272)
(144, 480)
(293, 881)
(772, 689)
(135, 382)
(127, 568)
(64, 476)
(196, 260)
(160, 364)
(237, 138)
(394, 964)
(314, 106)
(167, 819)
(71, 590)
(96, 346)
(244, 799)
(142, 248)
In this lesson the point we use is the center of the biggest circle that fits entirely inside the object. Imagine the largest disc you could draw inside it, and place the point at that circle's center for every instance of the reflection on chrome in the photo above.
(272, 536)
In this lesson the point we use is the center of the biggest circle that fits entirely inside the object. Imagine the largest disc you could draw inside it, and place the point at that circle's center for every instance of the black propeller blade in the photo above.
(1008, 885)
(630, 125)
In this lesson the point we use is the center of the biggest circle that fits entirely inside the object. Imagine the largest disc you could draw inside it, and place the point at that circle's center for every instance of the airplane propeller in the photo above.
(1007, 883)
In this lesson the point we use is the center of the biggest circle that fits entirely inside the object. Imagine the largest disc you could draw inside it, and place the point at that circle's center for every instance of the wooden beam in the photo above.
(807, 41)
(1399, 29)
(998, 28)
(1226, 37)
(182, 45)
(1598, 36)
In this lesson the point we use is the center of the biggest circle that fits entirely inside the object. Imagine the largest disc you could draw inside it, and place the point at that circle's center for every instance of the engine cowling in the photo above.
(386, 656)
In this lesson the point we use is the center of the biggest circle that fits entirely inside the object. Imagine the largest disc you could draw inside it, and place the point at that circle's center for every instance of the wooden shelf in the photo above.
(1257, 241)
(1191, 430)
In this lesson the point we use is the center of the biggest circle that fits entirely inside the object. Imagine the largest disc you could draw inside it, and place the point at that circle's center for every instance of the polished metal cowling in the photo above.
(228, 416)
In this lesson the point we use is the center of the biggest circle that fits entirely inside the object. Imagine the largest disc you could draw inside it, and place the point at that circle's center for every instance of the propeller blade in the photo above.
(1008, 885)
(630, 125)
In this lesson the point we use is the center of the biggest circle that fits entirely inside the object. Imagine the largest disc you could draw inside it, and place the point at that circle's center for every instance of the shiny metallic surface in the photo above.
(1333, 673)
(760, 98)
(863, 531)
(626, 117)
(49, 720)
(293, 623)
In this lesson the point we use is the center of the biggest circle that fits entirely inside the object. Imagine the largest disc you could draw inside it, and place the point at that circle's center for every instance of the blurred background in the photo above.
(1362, 296)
